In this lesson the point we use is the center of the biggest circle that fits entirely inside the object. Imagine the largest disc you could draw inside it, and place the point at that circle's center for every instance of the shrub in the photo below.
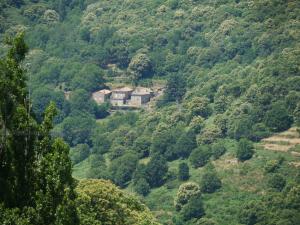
(196, 124)
(251, 213)
(142, 146)
(240, 127)
(183, 171)
(296, 115)
(161, 141)
(96, 167)
(206, 221)
(175, 88)
(139, 173)
(245, 150)
(173, 4)
(171, 180)
(217, 149)
(156, 170)
(50, 16)
(278, 119)
(273, 165)
(122, 168)
(79, 153)
(140, 66)
(193, 209)
(210, 182)
(142, 187)
(78, 129)
(200, 156)
(277, 182)
(209, 135)
(185, 192)
(293, 197)
(199, 106)
(116, 151)
(221, 122)
(101, 143)
(259, 131)
(185, 144)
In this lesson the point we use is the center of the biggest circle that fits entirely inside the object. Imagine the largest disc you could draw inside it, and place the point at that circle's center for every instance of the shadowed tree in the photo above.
(175, 88)
(183, 171)
(156, 170)
(245, 150)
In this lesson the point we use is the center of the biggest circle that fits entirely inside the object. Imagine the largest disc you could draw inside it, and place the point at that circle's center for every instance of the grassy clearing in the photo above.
(80, 170)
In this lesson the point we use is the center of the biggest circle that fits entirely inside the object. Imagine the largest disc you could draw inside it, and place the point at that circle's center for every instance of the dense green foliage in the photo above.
(210, 182)
(277, 182)
(245, 150)
(175, 88)
(193, 209)
(185, 193)
(101, 202)
(200, 156)
(183, 171)
(142, 187)
(156, 170)
(231, 75)
(36, 182)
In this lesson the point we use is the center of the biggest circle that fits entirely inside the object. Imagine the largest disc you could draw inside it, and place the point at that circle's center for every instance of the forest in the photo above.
(220, 146)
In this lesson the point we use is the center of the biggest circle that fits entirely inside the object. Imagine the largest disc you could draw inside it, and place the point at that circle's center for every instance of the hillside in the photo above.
(241, 183)
(36, 180)
(227, 118)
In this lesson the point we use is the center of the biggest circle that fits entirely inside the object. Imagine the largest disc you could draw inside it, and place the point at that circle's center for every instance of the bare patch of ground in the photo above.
(277, 147)
(296, 164)
(282, 141)
(286, 141)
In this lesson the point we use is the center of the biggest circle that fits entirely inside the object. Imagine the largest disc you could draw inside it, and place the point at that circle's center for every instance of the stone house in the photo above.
(101, 96)
(120, 96)
(140, 96)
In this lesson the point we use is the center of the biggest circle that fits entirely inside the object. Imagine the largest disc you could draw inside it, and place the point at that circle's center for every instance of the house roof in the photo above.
(104, 91)
(123, 89)
(142, 91)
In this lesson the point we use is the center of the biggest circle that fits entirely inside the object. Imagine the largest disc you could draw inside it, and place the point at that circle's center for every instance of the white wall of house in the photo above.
(99, 98)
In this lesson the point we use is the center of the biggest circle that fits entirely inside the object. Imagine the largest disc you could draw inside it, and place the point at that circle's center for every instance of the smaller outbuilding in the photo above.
(101, 96)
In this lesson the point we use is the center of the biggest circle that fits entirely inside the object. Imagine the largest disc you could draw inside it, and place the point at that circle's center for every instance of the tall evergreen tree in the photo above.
(17, 129)
(183, 171)
(176, 88)
(156, 170)
(35, 171)
(55, 186)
